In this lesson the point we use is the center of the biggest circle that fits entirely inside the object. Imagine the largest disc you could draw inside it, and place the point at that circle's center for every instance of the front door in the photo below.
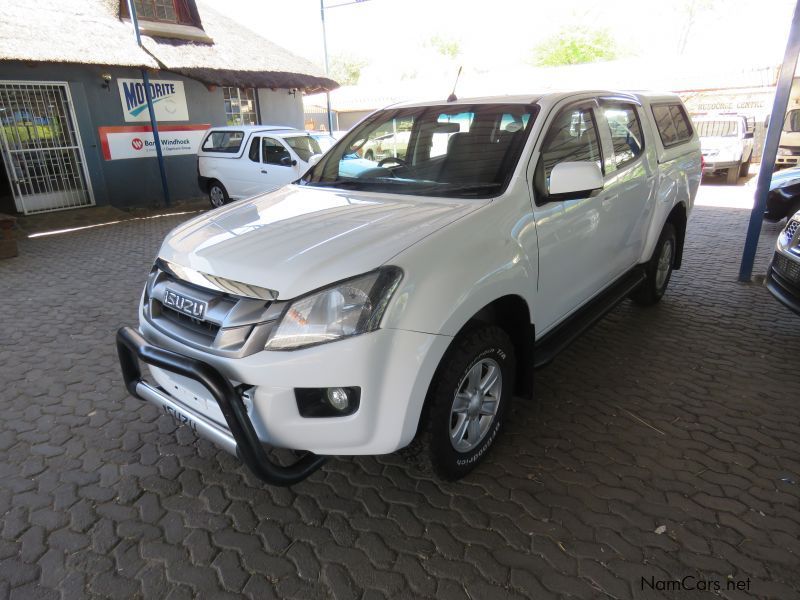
(41, 147)
(575, 257)
(277, 164)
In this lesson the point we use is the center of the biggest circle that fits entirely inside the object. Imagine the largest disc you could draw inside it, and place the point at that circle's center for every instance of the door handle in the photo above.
(263, 171)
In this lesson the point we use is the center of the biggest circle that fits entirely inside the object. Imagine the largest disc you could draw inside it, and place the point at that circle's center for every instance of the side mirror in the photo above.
(287, 161)
(575, 178)
(314, 159)
(748, 135)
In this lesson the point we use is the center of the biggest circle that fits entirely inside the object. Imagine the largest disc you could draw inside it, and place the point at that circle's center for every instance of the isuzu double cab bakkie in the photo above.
(370, 304)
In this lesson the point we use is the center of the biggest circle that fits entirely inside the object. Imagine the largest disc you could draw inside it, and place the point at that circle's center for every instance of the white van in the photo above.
(241, 161)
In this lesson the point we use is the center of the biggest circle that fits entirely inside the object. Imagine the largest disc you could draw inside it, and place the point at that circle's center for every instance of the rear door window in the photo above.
(223, 141)
(254, 147)
(672, 123)
(626, 133)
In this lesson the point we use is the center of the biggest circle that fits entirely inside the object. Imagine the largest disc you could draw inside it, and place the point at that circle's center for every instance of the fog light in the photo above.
(338, 398)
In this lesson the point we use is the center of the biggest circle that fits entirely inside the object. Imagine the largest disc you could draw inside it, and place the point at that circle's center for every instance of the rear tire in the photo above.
(732, 176)
(467, 400)
(658, 269)
(217, 194)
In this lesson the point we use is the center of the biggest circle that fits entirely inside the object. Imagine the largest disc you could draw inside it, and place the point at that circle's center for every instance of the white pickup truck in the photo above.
(726, 142)
(239, 161)
(371, 304)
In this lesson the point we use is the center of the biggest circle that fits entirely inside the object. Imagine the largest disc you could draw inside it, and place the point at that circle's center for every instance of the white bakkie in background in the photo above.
(370, 303)
(240, 161)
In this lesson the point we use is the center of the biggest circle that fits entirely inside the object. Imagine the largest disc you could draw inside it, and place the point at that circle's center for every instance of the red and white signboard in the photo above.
(136, 141)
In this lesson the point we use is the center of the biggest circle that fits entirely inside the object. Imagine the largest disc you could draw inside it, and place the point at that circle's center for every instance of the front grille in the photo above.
(787, 268)
(184, 320)
(232, 325)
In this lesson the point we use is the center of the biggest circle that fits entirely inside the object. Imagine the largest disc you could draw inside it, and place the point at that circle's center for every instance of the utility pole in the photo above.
(150, 109)
(782, 92)
(325, 51)
(327, 70)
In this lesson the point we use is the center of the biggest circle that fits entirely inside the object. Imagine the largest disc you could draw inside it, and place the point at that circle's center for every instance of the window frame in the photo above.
(255, 111)
(688, 121)
(542, 197)
(280, 143)
(636, 107)
(223, 132)
(185, 13)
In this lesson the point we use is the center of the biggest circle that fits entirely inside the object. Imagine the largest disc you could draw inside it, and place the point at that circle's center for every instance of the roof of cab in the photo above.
(549, 98)
(252, 128)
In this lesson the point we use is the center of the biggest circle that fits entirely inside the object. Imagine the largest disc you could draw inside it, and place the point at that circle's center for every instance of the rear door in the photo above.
(630, 181)
(247, 170)
(575, 247)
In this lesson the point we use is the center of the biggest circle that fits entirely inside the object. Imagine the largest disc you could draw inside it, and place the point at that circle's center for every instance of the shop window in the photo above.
(240, 106)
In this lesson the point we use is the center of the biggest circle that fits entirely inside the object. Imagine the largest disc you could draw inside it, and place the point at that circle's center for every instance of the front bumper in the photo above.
(784, 283)
(713, 166)
(240, 438)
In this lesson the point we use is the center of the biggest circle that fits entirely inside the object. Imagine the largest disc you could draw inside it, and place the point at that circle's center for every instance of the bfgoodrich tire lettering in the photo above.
(481, 350)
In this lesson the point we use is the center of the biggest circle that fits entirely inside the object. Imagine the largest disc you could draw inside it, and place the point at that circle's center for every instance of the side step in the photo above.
(546, 349)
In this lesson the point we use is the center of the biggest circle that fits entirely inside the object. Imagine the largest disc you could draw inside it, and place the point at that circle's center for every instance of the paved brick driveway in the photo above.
(683, 417)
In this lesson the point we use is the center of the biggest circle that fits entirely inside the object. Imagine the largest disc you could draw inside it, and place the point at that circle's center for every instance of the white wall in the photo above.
(279, 107)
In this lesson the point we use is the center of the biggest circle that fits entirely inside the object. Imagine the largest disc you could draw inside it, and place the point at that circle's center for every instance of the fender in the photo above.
(455, 272)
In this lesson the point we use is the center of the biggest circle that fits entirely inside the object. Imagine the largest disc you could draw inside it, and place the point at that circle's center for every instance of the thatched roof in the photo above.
(68, 31)
(91, 32)
(238, 57)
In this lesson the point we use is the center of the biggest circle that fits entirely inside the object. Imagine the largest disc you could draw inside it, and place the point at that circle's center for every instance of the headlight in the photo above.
(342, 310)
(784, 151)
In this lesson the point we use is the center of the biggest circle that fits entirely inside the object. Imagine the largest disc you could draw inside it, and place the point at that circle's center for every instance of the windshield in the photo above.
(305, 145)
(457, 151)
(716, 128)
(792, 122)
(324, 140)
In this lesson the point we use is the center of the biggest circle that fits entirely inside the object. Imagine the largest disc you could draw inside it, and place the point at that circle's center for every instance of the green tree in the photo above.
(346, 69)
(575, 46)
(446, 46)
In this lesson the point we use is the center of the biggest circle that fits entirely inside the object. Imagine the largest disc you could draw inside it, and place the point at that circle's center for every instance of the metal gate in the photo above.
(41, 147)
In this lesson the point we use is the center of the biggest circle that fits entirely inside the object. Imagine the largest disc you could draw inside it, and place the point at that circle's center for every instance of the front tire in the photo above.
(468, 399)
(658, 269)
(217, 194)
(732, 176)
(744, 169)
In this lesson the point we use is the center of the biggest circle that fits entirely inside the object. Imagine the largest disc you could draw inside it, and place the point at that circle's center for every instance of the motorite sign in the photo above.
(169, 100)
(136, 141)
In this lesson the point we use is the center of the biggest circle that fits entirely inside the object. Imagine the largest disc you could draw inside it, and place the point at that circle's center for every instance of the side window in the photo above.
(626, 133)
(273, 152)
(665, 125)
(223, 141)
(681, 120)
(572, 137)
(253, 153)
(672, 123)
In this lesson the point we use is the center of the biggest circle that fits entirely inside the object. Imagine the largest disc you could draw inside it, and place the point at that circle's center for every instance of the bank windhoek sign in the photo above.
(137, 141)
(169, 100)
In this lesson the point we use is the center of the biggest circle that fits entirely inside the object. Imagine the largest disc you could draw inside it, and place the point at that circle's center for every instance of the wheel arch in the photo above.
(678, 218)
(512, 314)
